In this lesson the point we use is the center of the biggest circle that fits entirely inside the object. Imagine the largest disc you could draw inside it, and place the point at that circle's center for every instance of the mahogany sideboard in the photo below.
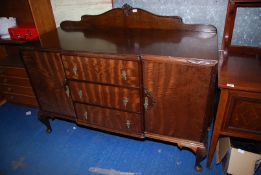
(130, 72)
(239, 78)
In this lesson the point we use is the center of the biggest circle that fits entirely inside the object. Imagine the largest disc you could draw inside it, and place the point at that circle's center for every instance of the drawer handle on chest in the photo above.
(5, 80)
(128, 124)
(9, 89)
(124, 74)
(125, 101)
(85, 115)
(75, 69)
(80, 94)
(2, 71)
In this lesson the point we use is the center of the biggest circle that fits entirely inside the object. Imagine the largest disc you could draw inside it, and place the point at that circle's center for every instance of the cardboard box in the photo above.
(236, 157)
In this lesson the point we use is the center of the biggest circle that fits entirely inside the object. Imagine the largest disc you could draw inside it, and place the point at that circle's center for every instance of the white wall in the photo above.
(74, 9)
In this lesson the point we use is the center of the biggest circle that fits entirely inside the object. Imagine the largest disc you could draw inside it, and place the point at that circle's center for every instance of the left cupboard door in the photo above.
(47, 76)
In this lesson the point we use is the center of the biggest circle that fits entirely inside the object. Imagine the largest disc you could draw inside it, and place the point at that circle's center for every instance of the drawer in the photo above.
(16, 89)
(102, 70)
(15, 81)
(21, 99)
(13, 71)
(113, 120)
(243, 113)
(108, 96)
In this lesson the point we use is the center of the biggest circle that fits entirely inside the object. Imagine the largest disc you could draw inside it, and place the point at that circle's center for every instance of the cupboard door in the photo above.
(176, 96)
(47, 77)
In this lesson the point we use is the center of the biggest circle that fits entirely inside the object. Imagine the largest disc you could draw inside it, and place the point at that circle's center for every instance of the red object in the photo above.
(23, 32)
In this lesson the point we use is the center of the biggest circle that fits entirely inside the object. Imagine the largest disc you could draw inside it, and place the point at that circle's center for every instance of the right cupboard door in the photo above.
(176, 96)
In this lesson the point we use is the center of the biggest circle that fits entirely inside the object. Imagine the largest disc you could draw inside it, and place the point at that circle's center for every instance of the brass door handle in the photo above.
(149, 99)
(146, 103)
(67, 90)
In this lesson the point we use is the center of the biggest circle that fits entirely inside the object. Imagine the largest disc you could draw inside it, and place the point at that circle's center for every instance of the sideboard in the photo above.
(130, 72)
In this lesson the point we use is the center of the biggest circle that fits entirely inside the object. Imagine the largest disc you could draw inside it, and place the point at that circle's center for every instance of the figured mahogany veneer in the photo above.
(131, 72)
(239, 108)
(47, 76)
(109, 119)
(107, 96)
(115, 70)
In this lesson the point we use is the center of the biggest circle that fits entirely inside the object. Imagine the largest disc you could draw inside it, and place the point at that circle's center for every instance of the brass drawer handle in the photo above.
(146, 103)
(124, 74)
(128, 124)
(75, 69)
(67, 90)
(80, 94)
(85, 115)
(125, 101)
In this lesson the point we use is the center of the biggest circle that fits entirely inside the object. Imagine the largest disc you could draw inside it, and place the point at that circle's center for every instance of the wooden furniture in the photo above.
(14, 82)
(131, 72)
(239, 109)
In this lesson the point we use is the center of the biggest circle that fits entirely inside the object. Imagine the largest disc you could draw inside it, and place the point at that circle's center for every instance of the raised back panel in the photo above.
(133, 18)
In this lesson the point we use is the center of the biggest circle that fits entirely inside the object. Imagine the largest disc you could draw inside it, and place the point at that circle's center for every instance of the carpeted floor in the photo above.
(26, 149)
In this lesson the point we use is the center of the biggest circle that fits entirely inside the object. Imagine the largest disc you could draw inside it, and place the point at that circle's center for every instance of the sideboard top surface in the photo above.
(187, 44)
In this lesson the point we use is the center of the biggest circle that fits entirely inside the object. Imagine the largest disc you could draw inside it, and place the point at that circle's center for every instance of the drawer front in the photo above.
(13, 71)
(16, 90)
(102, 70)
(103, 118)
(21, 99)
(15, 81)
(243, 113)
(107, 96)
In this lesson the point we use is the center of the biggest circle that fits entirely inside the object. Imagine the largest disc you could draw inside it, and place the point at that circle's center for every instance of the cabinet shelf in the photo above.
(12, 42)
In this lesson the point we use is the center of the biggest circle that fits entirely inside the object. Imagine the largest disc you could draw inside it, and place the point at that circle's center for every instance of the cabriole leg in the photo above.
(200, 155)
(45, 120)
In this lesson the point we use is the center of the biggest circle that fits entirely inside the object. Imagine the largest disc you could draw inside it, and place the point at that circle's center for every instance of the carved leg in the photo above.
(45, 120)
(200, 155)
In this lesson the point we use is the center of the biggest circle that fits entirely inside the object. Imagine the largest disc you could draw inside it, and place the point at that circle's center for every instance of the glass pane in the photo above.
(247, 29)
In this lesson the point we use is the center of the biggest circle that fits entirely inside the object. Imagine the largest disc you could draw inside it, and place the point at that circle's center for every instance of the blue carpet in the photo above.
(26, 149)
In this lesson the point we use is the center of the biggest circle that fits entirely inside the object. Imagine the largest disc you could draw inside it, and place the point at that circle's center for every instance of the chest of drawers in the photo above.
(128, 76)
(15, 86)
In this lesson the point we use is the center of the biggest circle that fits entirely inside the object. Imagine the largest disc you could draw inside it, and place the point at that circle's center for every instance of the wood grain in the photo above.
(180, 91)
(107, 118)
(107, 96)
(102, 70)
(47, 76)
